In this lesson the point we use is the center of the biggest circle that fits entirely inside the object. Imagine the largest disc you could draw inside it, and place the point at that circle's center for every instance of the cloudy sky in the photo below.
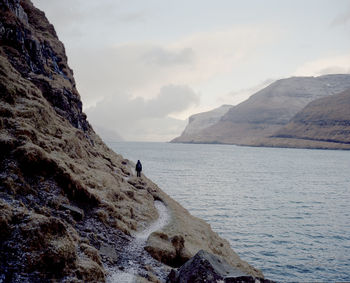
(143, 66)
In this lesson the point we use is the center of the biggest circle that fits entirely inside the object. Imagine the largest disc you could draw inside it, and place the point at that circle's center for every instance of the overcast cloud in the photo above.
(143, 67)
(136, 117)
(342, 19)
(332, 65)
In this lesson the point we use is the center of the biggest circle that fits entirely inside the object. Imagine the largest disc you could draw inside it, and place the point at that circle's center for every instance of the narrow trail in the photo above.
(134, 258)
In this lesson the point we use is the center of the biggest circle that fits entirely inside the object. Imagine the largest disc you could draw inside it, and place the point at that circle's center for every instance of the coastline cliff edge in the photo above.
(69, 204)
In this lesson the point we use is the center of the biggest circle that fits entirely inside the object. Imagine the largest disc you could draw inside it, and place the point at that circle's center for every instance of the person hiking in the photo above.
(138, 168)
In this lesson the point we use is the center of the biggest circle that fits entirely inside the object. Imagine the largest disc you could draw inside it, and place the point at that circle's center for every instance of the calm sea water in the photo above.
(285, 211)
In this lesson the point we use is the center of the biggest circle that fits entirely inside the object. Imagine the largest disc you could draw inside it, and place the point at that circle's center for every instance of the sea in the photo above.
(284, 211)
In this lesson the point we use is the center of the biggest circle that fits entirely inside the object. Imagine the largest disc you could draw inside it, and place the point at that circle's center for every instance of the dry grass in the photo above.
(63, 193)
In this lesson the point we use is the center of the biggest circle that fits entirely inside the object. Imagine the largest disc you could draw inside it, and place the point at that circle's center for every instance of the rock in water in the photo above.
(69, 204)
(206, 267)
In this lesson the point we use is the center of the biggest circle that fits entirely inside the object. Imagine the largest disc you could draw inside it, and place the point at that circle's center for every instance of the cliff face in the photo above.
(30, 44)
(68, 204)
(270, 109)
(323, 123)
(200, 121)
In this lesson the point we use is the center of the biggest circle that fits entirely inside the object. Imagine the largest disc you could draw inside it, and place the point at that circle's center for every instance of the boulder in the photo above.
(206, 267)
(170, 251)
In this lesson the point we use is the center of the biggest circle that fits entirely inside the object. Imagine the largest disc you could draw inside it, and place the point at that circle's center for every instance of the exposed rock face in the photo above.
(30, 44)
(323, 123)
(270, 109)
(200, 121)
(68, 204)
(206, 267)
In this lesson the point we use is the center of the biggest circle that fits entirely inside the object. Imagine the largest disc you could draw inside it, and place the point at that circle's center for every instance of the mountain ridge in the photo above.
(200, 121)
(325, 121)
(266, 111)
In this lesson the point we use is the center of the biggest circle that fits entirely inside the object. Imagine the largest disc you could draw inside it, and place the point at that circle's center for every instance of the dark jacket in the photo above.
(138, 167)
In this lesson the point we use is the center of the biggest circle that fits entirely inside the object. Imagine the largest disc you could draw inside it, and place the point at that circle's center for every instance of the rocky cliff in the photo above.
(69, 206)
(270, 109)
(200, 121)
(323, 123)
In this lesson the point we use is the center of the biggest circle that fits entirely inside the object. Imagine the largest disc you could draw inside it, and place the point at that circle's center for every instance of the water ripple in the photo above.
(285, 211)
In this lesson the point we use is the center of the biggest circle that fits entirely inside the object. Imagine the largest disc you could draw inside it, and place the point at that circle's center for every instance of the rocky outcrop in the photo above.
(30, 44)
(68, 204)
(206, 267)
(201, 121)
(270, 109)
(323, 123)
(186, 235)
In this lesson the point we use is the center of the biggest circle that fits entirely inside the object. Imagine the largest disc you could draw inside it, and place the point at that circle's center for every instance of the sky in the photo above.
(142, 67)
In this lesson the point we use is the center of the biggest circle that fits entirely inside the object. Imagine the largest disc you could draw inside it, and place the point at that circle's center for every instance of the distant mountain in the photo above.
(323, 123)
(200, 121)
(268, 110)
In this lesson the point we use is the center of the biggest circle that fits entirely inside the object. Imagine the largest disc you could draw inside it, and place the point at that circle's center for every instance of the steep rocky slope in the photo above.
(200, 121)
(270, 109)
(323, 123)
(68, 204)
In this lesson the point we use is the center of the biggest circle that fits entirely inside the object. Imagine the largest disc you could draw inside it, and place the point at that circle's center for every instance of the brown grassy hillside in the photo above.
(268, 110)
(68, 204)
(324, 123)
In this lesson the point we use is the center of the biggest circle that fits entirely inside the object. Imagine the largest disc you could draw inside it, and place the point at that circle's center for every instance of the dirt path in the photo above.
(134, 258)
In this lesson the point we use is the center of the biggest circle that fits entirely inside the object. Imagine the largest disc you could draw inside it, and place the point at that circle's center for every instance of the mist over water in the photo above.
(285, 211)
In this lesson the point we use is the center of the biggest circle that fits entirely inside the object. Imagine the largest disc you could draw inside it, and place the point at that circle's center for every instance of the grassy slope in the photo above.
(324, 123)
(67, 202)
